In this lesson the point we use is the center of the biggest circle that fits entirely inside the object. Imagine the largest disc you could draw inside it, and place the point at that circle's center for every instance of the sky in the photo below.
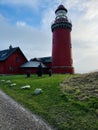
(27, 24)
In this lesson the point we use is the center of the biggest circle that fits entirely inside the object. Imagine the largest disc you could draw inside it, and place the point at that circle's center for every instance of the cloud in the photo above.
(48, 18)
(91, 10)
(33, 42)
(88, 63)
(20, 23)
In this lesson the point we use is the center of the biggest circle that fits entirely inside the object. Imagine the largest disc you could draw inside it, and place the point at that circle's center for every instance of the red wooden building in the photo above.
(10, 60)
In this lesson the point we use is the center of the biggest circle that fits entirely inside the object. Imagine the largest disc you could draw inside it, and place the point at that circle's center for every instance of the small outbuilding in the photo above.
(47, 61)
(32, 67)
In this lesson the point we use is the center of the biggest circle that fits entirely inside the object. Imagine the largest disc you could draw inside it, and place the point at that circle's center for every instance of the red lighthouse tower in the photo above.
(61, 42)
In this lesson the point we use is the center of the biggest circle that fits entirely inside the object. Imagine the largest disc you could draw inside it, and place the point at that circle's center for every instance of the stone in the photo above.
(37, 91)
(26, 87)
(2, 80)
(8, 81)
(13, 84)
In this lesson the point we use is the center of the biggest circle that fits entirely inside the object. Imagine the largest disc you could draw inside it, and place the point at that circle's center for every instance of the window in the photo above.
(11, 68)
(17, 59)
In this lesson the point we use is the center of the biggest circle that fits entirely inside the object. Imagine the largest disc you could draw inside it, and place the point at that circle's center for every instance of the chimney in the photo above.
(10, 47)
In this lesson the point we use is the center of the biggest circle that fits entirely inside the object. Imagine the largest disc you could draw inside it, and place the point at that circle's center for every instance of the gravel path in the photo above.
(14, 117)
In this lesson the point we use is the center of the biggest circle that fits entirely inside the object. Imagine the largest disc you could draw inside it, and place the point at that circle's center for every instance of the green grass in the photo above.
(61, 109)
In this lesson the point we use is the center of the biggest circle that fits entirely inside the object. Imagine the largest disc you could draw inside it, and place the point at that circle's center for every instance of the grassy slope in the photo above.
(67, 102)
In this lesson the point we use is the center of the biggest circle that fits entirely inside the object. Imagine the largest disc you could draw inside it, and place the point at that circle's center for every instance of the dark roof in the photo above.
(4, 54)
(35, 59)
(43, 59)
(46, 59)
(32, 64)
(61, 7)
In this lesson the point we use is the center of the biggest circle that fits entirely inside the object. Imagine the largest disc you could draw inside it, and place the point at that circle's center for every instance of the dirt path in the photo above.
(14, 117)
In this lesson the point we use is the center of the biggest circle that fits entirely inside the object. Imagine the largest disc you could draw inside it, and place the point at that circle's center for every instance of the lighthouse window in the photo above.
(72, 61)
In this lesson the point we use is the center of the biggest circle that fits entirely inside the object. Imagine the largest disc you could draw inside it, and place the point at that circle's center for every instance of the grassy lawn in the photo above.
(60, 106)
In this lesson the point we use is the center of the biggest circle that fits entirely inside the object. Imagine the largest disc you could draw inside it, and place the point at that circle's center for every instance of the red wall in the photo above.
(61, 51)
(31, 70)
(49, 64)
(2, 67)
(25, 70)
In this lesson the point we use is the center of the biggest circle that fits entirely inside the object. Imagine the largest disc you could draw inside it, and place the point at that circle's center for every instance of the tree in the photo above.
(39, 72)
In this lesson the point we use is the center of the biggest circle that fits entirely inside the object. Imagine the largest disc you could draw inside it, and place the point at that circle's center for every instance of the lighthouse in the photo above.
(61, 43)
